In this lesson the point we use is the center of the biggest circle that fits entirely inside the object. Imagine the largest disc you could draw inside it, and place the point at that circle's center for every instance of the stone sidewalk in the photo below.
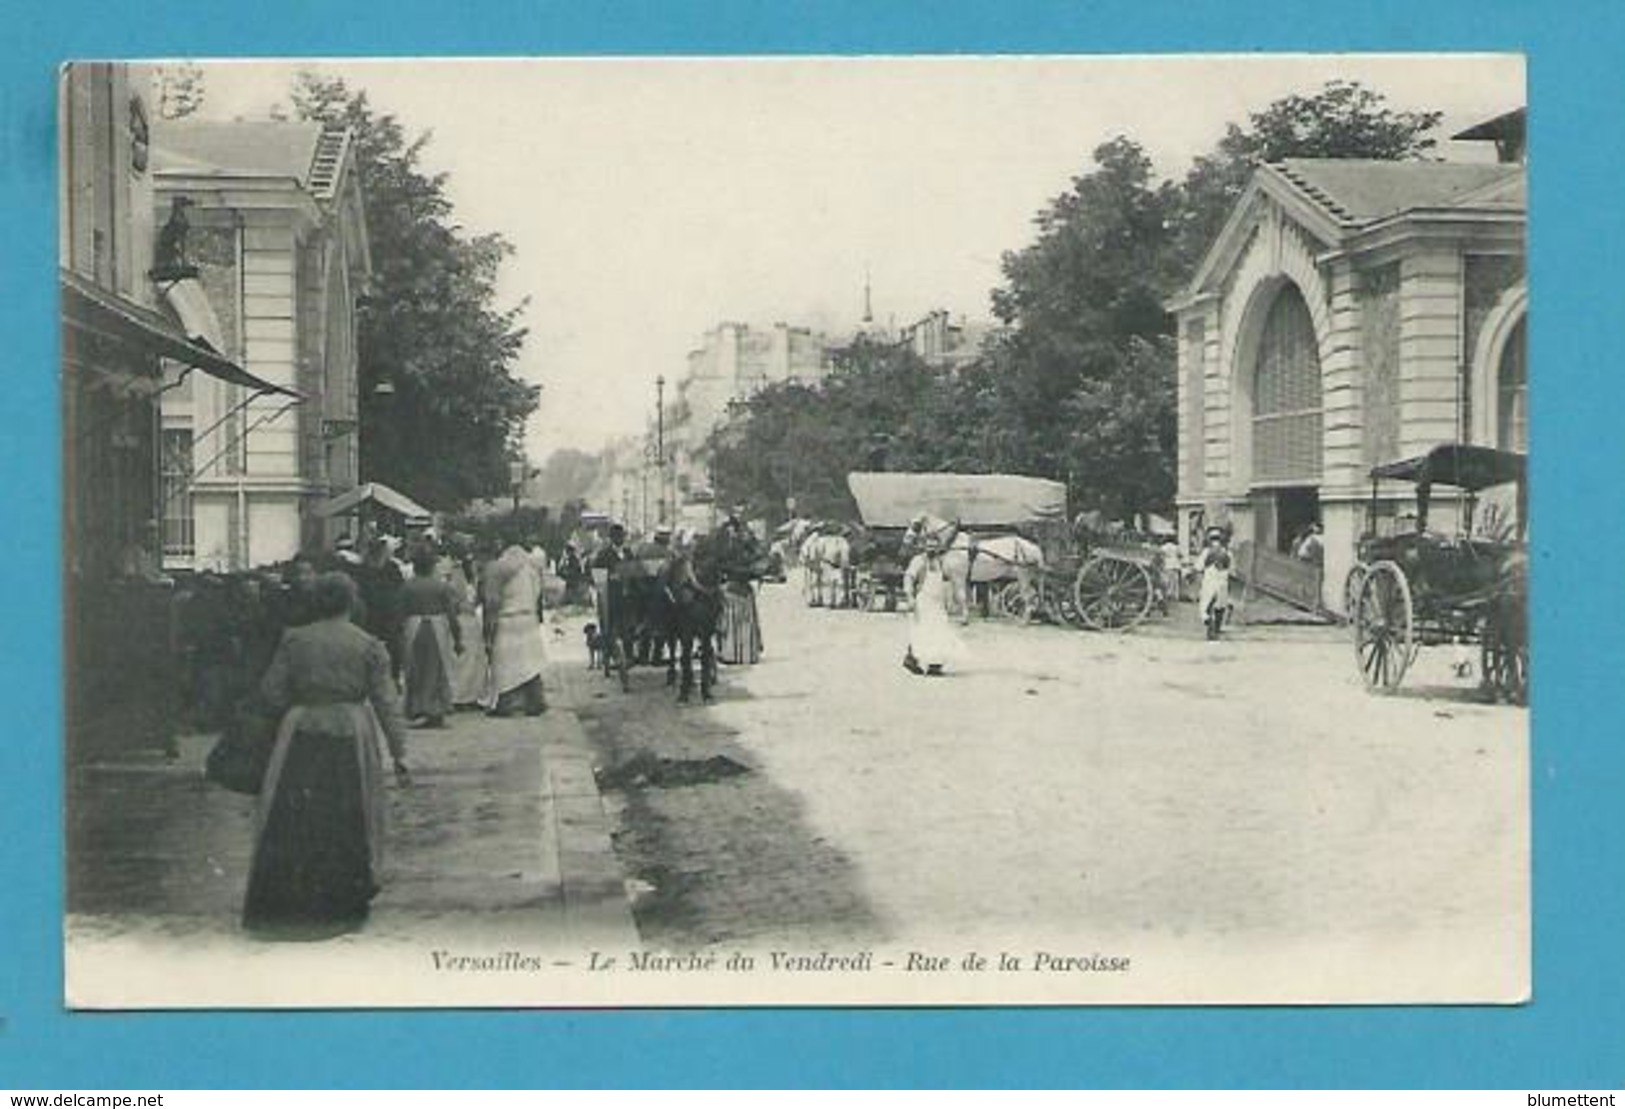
(501, 836)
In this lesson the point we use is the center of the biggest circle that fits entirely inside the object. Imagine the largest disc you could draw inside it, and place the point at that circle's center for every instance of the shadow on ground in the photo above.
(715, 851)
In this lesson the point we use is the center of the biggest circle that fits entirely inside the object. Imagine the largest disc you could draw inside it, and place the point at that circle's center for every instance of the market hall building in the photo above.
(262, 255)
(1350, 313)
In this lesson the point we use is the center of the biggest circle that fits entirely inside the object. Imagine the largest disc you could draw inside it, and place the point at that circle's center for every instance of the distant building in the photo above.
(275, 233)
(733, 363)
(944, 344)
(1350, 313)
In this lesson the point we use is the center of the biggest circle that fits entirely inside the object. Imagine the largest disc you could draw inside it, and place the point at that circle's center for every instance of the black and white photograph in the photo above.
(862, 531)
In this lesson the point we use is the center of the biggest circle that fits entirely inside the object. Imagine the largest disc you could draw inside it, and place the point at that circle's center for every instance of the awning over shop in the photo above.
(88, 307)
(375, 492)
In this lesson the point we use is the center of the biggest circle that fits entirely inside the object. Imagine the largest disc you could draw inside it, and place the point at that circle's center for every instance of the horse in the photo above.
(988, 560)
(687, 612)
(826, 560)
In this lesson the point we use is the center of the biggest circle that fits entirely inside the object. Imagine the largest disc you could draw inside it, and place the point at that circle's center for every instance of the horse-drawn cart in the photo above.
(978, 517)
(1420, 587)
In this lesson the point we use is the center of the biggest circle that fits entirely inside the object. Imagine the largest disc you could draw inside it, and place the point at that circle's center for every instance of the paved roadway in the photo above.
(1232, 809)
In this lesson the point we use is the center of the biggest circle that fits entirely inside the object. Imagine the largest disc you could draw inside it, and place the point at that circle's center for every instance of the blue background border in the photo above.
(1569, 1036)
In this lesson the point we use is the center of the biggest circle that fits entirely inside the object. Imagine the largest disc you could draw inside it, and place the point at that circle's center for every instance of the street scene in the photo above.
(1101, 580)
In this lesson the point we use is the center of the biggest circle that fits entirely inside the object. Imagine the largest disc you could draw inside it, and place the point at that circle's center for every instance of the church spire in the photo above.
(868, 311)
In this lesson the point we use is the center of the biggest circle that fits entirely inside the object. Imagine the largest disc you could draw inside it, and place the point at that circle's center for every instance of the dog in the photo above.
(595, 646)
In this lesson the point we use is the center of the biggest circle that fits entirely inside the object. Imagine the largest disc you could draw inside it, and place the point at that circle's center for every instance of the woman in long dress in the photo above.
(473, 668)
(740, 625)
(318, 824)
(933, 642)
(513, 633)
(431, 640)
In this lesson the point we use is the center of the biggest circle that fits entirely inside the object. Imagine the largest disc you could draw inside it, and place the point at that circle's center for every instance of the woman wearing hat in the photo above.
(741, 625)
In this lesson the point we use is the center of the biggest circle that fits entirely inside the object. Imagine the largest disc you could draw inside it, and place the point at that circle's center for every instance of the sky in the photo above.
(650, 199)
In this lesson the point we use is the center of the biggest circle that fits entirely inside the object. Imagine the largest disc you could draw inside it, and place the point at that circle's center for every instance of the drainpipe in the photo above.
(240, 448)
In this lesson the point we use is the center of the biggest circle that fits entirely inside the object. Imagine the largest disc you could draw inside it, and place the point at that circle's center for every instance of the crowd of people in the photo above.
(368, 646)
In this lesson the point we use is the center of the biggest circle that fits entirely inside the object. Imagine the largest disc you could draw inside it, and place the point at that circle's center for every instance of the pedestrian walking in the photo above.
(933, 642)
(472, 673)
(380, 580)
(431, 640)
(511, 595)
(740, 632)
(318, 824)
(1215, 596)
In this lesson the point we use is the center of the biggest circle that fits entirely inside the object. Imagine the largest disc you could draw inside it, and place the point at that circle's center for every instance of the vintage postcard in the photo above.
(796, 531)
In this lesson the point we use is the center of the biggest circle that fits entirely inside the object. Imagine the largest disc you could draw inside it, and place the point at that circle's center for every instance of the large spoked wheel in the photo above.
(1351, 589)
(1013, 602)
(1113, 593)
(1384, 627)
(1504, 652)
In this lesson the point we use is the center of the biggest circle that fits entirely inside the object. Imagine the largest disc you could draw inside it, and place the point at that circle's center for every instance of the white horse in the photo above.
(989, 560)
(825, 561)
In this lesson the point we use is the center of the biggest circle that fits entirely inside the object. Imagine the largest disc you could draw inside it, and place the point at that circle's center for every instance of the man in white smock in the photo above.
(933, 642)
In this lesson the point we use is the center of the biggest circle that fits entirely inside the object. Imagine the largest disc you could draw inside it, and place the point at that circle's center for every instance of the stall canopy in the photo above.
(376, 493)
(88, 307)
(975, 500)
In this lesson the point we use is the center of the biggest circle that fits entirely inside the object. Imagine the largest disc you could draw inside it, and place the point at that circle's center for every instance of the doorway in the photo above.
(1281, 516)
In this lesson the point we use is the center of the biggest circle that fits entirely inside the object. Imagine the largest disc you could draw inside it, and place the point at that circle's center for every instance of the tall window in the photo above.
(1287, 395)
(180, 529)
(1512, 394)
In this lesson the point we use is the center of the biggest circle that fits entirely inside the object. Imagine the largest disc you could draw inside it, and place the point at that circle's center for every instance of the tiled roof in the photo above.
(1359, 191)
(301, 152)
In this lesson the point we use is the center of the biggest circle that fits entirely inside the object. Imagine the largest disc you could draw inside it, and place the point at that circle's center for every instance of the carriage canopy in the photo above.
(976, 500)
(1458, 464)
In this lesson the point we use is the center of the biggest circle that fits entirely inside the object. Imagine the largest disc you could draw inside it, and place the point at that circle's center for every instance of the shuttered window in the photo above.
(1287, 396)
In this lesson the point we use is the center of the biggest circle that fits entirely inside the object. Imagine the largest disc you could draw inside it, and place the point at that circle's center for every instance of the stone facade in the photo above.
(1386, 299)
(279, 241)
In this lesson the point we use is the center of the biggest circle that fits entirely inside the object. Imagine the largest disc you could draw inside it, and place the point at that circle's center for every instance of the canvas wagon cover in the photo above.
(975, 500)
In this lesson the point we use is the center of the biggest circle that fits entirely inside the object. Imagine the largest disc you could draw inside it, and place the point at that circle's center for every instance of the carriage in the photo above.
(988, 513)
(1416, 586)
(1105, 580)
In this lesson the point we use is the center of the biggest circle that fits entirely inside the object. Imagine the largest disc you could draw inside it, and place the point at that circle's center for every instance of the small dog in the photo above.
(595, 646)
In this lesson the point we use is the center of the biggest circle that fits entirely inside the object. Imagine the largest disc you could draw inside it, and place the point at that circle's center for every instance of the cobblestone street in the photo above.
(1146, 792)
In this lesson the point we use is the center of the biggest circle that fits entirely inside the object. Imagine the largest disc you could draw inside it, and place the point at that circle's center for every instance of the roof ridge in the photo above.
(1314, 192)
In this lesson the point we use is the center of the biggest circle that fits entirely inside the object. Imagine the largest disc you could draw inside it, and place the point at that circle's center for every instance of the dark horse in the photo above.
(685, 610)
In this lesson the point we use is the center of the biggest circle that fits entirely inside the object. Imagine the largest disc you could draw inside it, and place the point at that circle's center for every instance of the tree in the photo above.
(429, 325)
(180, 89)
(1343, 120)
(1084, 305)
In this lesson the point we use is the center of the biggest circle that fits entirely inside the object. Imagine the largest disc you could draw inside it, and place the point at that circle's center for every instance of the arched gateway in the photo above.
(1286, 422)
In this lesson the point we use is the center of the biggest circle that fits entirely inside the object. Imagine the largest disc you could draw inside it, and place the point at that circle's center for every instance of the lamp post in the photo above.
(660, 444)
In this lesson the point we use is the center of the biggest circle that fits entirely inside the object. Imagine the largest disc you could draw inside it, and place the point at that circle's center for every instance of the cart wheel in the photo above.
(1504, 653)
(1013, 602)
(1351, 589)
(1384, 623)
(1113, 592)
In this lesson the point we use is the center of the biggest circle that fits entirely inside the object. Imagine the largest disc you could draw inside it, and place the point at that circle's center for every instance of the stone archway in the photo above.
(1500, 375)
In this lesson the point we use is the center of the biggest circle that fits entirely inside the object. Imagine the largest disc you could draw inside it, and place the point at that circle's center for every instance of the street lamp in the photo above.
(660, 442)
